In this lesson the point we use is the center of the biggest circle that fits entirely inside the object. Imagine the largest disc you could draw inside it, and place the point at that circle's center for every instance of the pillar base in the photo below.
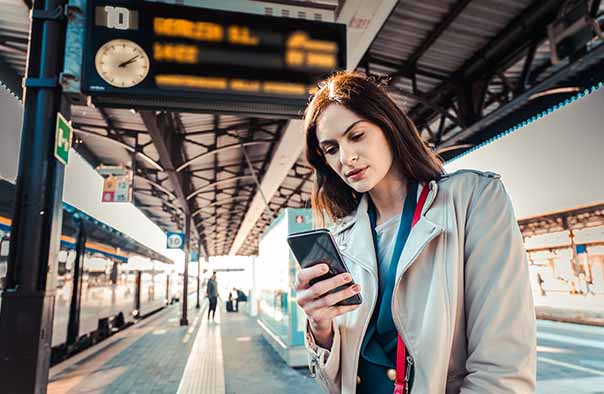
(25, 342)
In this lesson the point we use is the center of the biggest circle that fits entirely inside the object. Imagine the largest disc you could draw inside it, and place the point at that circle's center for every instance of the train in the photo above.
(120, 280)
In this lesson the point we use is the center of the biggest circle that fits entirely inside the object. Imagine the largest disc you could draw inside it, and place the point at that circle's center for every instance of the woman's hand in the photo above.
(319, 307)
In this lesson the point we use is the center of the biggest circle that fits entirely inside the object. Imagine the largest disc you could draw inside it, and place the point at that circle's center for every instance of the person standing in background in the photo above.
(212, 294)
(540, 282)
(234, 297)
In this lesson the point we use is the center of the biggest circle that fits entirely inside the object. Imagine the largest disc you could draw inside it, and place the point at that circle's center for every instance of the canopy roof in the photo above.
(465, 71)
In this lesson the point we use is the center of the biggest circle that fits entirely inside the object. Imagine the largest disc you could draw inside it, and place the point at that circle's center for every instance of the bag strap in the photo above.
(401, 384)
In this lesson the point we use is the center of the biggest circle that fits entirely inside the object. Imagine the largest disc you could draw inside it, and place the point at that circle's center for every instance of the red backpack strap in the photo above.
(420, 204)
(401, 384)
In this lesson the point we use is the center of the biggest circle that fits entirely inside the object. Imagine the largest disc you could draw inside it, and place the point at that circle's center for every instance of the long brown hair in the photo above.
(359, 94)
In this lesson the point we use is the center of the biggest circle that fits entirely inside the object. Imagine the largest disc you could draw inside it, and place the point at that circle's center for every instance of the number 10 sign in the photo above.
(175, 240)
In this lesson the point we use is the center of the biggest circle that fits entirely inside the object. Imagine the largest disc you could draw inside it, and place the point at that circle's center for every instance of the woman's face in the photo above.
(354, 148)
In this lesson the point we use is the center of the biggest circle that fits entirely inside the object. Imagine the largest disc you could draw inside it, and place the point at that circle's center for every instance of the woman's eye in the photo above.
(356, 137)
(330, 150)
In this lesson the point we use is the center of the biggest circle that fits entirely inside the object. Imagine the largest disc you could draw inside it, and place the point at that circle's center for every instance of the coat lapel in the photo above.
(360, 234)
(422, 233)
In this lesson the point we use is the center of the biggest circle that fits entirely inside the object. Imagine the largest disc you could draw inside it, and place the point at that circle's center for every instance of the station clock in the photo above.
(122, 63)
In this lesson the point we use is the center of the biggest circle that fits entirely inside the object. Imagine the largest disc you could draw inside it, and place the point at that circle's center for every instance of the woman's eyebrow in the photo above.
(350, 127)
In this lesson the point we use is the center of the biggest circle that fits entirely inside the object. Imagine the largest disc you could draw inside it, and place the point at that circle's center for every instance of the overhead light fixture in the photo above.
(440, 151)
(549, 92)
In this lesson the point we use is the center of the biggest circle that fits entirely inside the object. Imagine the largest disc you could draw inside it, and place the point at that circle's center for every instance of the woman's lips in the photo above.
(357, 174)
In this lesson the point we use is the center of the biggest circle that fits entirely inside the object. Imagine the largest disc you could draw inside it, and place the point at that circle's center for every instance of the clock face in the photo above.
(122, 63)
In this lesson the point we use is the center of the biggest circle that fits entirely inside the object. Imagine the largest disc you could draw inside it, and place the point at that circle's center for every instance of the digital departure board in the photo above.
(153, 55)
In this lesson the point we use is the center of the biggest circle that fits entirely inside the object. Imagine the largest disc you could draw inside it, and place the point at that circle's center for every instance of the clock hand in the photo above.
(131, 60)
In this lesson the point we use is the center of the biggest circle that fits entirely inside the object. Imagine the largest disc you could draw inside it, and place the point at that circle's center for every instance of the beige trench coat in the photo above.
(462, 299)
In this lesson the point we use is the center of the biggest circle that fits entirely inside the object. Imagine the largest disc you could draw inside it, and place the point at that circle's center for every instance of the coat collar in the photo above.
(360, 233)
(360, 214)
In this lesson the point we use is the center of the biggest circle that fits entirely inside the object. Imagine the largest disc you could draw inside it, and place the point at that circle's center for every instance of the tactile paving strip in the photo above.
(204, 372)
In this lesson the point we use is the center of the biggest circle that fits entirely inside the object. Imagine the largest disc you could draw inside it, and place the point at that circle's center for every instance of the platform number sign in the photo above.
(175, 240)
(63, 136)
(117, 17)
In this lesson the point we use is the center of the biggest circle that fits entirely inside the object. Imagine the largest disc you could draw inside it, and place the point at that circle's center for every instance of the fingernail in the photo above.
(356, 288)
(347, 277)
(324, 268)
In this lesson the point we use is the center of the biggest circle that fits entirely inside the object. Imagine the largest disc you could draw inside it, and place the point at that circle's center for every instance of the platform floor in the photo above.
(251, 365)
(149, 357)
(157, 355)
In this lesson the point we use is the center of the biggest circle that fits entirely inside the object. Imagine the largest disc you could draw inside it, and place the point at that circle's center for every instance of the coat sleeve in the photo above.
(324, 363)
(500, 316)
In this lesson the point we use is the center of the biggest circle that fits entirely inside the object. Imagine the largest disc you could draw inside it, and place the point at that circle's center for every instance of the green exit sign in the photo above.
(62, 139)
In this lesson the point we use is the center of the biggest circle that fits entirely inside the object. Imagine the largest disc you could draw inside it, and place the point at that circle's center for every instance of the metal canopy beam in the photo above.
(217, 183)
(438, 31)
(288, 151)
(512, 108)
(242, 167)
(163, 141)
(121, 143)
(220, 202)
(220, 131)
(498, 54)
(237, 145)
(159, 138)
(260, 174)
(405, 70)
(285, 203)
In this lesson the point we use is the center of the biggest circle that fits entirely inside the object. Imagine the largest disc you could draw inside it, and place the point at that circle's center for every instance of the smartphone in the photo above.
(318, 246)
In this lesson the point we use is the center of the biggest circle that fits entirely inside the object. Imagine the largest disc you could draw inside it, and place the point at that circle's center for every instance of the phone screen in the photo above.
(314, 247)
(317, 247)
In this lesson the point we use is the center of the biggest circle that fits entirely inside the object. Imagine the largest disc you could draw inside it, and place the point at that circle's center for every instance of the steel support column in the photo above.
(138, 281)
(73, 325)
(28, 299)
(185, 284)
(198, 274)
(168, 298)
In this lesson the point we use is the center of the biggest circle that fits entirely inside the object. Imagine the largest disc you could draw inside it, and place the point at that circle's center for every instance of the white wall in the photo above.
(83, 189)
(555, 163)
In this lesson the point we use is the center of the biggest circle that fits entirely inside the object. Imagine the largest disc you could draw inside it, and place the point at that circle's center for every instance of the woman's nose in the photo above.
(347, 156)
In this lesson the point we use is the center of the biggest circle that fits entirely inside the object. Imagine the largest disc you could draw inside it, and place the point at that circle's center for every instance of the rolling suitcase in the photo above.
(229, 306)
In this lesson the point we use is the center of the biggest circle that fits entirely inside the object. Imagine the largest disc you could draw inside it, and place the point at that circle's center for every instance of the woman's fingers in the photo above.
(321, 317)
(322, 287)
(318, 305)
(330, 300)
(305, 275)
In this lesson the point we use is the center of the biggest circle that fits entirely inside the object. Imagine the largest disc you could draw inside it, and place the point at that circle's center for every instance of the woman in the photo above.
(438, 258)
